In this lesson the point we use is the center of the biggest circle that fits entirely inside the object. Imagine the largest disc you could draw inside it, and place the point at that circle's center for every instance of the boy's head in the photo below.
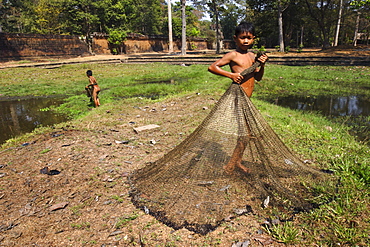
(89, 73)
(244, 27)
(244, 36)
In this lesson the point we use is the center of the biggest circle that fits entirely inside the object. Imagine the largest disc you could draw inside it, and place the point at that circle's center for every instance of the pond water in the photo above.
(328, 106)
(19, 116)
(351, 110)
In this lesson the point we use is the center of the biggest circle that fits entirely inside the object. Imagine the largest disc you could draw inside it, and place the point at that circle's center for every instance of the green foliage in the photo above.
(148, 17)
(45, 109)
(262, 48)
(116, 39)
(300, 48)
(193, 46)
(286, 233)
(83, 17)
(122, 221)
(192, 32)
(117, 36)
(206, 32)
(117, 198)
(192, 22)
(360, 3)
(83, 225)
(46, 150)
(47, 16)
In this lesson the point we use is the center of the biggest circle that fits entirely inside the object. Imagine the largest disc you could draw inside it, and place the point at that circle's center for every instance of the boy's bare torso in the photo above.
(240, 61)
(94, 83)
(92, 80)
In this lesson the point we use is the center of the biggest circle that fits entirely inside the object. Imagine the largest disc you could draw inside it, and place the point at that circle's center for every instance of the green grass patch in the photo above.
(122, 221)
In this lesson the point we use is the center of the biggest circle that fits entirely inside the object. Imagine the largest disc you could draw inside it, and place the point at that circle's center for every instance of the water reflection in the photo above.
(328, 106)
(23, 116)
(351, 110)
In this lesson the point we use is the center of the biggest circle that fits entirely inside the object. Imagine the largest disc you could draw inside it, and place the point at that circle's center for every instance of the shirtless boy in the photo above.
(94, 87)
(239, 60)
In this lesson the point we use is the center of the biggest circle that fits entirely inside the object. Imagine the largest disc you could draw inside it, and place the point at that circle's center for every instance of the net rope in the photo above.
(190, 186)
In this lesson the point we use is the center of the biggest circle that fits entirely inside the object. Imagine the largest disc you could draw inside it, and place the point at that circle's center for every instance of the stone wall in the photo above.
(17, 46)
(228, 44)
(135, 43)
(100, 45)
(22, 46)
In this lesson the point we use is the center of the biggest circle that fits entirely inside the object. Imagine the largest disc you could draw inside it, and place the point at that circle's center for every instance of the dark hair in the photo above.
(244, 27)
(89, 73)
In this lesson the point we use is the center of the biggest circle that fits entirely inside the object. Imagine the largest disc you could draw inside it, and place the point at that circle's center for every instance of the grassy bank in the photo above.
(344, 221)
(159, 80)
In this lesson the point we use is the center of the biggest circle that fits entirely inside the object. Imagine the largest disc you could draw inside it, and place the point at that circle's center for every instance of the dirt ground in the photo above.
(84, 198)
(84, 201)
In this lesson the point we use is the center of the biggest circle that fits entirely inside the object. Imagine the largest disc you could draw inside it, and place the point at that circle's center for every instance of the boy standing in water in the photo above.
(93, 88)
(239, 60)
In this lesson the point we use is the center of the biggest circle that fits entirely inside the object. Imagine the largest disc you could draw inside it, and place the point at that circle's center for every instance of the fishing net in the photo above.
(233, 163)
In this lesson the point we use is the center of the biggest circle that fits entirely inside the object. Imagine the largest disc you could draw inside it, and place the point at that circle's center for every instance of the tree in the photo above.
(183, 33)
(277, 6)
(192, 22)
(280, 24)
(214, 7)
(46, 17)
(360, 7)
(16, 16)
(149, 16)
(116, 14)
(338, 23)
(229, 18)
(295, 22)
(116, 38)
(81, 17)
(217, 18)
(356, 28)
(3, 13)
(170, 42)
(324, 13)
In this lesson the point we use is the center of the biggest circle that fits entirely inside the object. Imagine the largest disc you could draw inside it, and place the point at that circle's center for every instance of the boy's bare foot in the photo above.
(243, 168)
(229, 168)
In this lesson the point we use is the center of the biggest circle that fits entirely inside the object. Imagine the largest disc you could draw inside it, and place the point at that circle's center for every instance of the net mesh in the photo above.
(231, 164)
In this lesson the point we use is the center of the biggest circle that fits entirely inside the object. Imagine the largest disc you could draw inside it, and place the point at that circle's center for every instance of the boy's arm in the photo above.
(216, 69)
(259, 74)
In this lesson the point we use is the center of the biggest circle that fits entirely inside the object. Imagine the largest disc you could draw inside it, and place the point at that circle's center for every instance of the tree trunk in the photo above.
(170, 41)
(301, 43)
(356, 28)
(281, 33)
(338, 23)
(183, 31)
(218, 48)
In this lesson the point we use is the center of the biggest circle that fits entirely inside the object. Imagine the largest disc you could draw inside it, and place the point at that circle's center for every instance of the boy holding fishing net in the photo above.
(240, 62)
